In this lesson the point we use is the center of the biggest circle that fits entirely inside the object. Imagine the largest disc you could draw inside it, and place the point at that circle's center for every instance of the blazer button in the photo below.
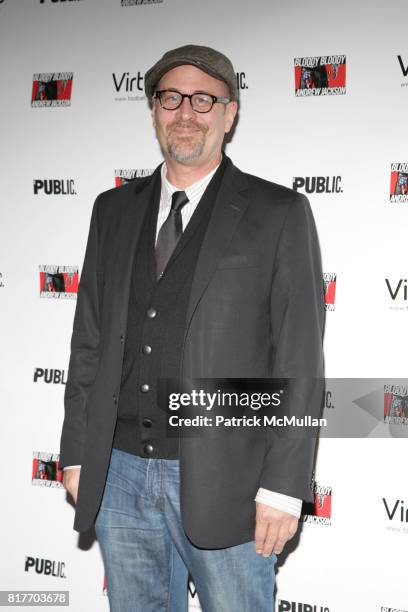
(147, 422)
(122, 339)
(146, 349)
(151, 313)
(148, 449)
(144, 388)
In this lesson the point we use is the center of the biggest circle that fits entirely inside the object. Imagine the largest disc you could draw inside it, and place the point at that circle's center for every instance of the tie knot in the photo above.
(178, 200)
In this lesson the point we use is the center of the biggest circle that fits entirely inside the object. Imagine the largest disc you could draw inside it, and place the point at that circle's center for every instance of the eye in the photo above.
(202, 99)
(171, 97)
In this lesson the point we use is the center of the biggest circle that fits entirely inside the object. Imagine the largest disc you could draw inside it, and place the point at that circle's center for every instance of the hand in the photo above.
(70, 481)
(273, 529)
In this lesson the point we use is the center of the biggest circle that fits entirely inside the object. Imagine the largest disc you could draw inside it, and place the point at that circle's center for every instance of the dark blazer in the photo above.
(256, 310)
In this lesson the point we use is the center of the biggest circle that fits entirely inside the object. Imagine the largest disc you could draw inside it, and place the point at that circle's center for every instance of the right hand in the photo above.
(70, 481)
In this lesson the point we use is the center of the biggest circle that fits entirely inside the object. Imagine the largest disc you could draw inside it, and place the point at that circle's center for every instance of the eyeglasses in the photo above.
(200, 102)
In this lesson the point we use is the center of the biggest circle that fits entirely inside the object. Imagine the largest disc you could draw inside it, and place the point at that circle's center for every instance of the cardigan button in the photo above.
(144, 388)
(151, 313)
(147, 422)
(148, 449)
(146, 349)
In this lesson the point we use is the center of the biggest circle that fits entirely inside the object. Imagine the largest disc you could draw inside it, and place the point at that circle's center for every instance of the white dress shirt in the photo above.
(292, 505)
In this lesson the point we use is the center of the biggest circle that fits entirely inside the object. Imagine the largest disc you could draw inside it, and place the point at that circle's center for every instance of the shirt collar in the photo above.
(199, 186)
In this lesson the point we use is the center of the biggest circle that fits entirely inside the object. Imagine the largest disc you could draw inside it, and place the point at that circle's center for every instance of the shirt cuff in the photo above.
(70, 467)
(279, 501)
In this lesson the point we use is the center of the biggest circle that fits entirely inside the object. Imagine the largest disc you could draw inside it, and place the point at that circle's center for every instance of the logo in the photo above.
(396, 404)
(50, 376)
(317, 184)
(399, 183)
(241, 80)
(51, 89)
(137, 2)
(293, 606)
(59, 282)
(320, 76)
(396, 509)
(385, 609)
(45, 471)
(329, 285)
(404, 70)
(319, 513)
(1, 280)
(122, 177)
(54, 186)
(45, 566)
(125, 83)
(397, 513)
(398, 292)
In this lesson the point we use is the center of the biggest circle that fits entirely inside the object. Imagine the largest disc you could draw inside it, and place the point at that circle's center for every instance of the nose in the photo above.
(185, 109)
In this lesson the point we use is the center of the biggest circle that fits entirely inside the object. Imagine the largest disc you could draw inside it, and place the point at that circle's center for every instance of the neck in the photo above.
(182, 176)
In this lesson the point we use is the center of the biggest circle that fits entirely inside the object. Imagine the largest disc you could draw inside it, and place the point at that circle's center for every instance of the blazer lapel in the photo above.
(131, 224)
(231, 203)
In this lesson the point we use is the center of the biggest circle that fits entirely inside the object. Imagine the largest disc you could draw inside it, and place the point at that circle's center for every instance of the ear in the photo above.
(153, 113)
(230, 112)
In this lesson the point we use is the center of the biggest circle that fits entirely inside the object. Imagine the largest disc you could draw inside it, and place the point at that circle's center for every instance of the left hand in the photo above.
(273, 529)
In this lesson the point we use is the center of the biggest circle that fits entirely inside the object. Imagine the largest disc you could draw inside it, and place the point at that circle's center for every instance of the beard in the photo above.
(188, 147)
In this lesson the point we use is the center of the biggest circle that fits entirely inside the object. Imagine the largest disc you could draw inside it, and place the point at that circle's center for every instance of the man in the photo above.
(199, 271)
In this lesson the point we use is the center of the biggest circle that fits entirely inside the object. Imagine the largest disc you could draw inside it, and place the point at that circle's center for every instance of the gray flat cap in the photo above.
(209, 60)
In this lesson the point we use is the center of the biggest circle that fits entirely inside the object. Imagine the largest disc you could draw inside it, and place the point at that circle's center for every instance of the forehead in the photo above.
(189, 79)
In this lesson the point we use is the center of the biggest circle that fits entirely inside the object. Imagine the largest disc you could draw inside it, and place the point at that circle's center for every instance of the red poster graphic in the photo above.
(59, 282)
(399, 183)
(320, 76)
(51, 89)
(329, 283)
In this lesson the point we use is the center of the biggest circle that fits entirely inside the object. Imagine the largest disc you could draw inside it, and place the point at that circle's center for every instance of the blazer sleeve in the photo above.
(84, 356)
(297, 324)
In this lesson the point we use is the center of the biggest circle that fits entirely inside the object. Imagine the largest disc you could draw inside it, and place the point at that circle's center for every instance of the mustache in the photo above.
(187, 124)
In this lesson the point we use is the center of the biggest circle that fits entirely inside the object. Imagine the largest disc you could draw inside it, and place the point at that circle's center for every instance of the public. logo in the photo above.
(320, 76)
(45, 470)
(124, 176)
(241, 80)
(51, 89)
(296, 606)
(399, 183)
(54, 187)
(329, 285)
(319, 513)
(50, 376)
(59, 282)
(317, 184)
(45, 566)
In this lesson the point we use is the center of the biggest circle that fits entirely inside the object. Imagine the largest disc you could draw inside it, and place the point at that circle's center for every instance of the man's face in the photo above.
(184, 135)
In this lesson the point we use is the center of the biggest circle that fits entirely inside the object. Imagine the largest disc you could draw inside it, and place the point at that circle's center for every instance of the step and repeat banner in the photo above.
(323, 102)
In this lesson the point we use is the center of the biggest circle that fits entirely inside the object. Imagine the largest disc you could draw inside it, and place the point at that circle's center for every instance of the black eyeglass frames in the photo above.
(201, 102)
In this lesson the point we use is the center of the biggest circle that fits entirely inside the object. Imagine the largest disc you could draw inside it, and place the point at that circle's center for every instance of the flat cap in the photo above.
(209, 60)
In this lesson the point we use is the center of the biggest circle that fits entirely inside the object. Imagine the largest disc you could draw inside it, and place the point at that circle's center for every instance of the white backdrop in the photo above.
(357, 563)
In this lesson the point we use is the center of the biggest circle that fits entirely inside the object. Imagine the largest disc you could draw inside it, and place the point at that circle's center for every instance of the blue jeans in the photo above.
(147, 555)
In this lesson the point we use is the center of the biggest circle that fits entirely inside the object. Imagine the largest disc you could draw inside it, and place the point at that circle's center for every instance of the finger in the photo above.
(281, 540)
(270, 540)
(261, 529)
